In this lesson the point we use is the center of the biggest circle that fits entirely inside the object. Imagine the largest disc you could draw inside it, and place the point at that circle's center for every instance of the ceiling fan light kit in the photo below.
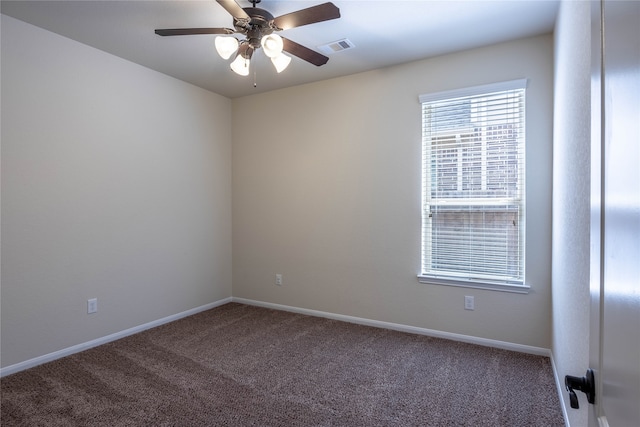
(240, 65)
(258, 27)
(272, 45)
(281, 62)
(226, 46)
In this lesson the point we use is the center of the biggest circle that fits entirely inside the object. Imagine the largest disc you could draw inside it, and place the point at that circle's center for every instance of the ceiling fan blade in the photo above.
(310, 15)
(304, 52)
(233, 8)
(192, 31)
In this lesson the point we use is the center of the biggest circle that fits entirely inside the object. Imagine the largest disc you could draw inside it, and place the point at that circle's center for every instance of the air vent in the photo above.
(336, 46)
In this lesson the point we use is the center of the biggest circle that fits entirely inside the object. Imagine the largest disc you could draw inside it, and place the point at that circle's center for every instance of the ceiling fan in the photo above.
(259, 27)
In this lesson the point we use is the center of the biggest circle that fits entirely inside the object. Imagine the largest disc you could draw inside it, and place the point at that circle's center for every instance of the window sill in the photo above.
(501, 287)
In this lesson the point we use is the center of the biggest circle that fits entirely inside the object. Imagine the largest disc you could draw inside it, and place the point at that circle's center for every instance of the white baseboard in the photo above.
(351, 319)
(560, 388)
(12, 369)
(539, 351)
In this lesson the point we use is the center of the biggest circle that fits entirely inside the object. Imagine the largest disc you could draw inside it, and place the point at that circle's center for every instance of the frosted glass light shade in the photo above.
(226, 46)
(281, 62)
(240, 65)
(272, 45)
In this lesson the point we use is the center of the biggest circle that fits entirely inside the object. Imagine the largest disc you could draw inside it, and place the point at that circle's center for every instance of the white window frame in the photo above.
(472, 280)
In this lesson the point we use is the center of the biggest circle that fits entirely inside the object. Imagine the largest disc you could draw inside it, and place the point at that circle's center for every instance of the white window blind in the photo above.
(473, 222)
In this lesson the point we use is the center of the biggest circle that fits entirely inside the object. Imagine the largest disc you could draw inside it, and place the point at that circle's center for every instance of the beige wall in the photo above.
(116, 184)
(571, 196)
(326, 192)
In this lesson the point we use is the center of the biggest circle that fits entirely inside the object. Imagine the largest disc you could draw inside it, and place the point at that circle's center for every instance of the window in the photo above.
(473, 220)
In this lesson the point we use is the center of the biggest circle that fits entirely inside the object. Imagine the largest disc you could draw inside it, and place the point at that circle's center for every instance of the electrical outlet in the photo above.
(468, 302)
(279, 279)
(92, 305)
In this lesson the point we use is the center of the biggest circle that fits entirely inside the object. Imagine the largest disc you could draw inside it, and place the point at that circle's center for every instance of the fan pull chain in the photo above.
(255, 84)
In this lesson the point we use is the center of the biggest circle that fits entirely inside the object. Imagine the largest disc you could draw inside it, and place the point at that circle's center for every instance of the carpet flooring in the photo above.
(239, 365)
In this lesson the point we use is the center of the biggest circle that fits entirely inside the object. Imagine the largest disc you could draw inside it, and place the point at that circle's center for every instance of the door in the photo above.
(615, 221)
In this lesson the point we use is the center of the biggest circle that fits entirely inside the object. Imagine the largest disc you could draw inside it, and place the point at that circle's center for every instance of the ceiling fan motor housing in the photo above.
(259, 25)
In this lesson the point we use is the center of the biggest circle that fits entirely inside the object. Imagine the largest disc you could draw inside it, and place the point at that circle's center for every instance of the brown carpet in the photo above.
(239, 365)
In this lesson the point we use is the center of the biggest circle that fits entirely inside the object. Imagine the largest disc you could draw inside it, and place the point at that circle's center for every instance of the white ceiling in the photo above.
(384, 33)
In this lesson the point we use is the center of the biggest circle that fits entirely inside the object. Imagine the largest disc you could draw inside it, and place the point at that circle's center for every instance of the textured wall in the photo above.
(571, 195)
(116, 184)
(326, 191)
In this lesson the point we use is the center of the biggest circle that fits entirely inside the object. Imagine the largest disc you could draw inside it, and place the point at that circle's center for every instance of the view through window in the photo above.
(473, 223)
